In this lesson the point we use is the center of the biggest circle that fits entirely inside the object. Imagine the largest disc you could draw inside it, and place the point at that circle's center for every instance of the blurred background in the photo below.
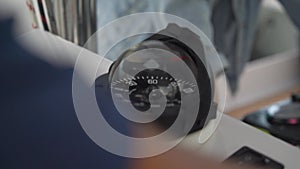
(258, 39)
(258, 42)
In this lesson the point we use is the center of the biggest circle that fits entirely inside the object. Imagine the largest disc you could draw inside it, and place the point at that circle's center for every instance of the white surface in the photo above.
(19, 11)
(232, 135)
(265, 78)
(49, 47)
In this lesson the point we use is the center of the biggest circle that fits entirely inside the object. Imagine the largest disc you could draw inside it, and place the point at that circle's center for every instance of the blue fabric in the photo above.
(234, 29)
(38, 125)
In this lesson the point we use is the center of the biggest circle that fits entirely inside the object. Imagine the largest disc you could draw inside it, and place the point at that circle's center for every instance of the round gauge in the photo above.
(148, 88)
(157, 80)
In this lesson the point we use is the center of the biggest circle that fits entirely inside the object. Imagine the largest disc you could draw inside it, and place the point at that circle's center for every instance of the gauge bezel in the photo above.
(199, 68)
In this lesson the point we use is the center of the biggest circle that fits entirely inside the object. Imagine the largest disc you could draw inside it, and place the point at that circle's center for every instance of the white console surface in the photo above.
(232, 134)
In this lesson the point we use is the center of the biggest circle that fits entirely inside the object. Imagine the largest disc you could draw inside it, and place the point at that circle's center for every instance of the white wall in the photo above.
(265, 78)
(19, 10)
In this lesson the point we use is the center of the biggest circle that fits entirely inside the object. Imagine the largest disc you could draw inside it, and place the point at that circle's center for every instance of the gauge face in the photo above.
(158, 81)
(155, 84)
(151, 88)
(152, 91)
